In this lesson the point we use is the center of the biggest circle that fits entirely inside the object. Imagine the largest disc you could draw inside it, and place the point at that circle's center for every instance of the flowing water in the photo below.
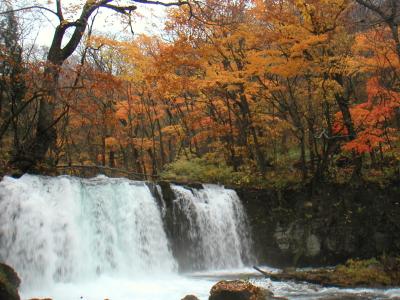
(213, 228)
(70, 238)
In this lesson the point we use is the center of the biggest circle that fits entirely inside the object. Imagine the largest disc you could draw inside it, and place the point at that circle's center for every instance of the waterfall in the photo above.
(212, 228)
(62, 229)
(66, 229)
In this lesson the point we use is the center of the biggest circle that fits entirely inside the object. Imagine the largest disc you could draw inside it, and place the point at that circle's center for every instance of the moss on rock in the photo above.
(355, 273)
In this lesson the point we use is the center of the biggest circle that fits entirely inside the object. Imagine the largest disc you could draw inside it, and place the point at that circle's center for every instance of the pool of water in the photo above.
(175, 287)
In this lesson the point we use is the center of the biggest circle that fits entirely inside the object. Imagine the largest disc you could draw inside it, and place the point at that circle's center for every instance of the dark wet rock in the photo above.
(167, 193)
(305, 226)
(239, 290)
(10, 274)
(190, 297)
(313, 245)
(9, 283)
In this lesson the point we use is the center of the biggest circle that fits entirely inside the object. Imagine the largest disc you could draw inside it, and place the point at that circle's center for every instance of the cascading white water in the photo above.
(217, 235)
(65, 229)
(106, 238)
(92, 239)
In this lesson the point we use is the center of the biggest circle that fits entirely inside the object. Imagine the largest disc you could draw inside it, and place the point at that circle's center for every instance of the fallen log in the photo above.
(261, 271)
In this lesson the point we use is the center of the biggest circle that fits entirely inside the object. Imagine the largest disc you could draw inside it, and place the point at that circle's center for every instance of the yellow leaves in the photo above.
(289, 69)
(307, 9)
(173, 130)
(308, 43)
(321, 16)
(329, 85)
(257, 61)
(233, 88)
(374, 50)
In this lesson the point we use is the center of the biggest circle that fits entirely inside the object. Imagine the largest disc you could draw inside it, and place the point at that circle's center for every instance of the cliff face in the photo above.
(326, 227)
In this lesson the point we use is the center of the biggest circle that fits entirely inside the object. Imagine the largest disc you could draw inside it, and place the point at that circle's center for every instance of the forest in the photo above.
(242, 149)
(239, 92)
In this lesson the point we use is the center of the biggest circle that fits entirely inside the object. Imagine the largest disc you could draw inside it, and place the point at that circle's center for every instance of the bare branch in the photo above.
(29, 8)
(373, 7)
(176, 3)
(121, 9)
(59, 10)
(6, 123)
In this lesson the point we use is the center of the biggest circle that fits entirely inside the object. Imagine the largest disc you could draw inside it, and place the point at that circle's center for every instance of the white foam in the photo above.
(64, 229)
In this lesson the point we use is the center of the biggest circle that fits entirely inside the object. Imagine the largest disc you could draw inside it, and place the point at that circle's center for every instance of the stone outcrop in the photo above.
(311, 226)
(239, 290)
(327, 225)
(9, 283)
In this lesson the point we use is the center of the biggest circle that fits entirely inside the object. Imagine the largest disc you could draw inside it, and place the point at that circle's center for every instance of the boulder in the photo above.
(239, 290)
(190, 297)
(9, 283)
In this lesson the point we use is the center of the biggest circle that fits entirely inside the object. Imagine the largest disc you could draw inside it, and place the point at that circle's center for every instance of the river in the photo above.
(101, 238)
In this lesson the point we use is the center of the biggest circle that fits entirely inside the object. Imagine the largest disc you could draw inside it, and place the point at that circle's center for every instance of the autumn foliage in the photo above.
(245, 91)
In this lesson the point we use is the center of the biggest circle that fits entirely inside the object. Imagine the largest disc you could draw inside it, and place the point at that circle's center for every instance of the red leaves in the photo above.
(371, 119)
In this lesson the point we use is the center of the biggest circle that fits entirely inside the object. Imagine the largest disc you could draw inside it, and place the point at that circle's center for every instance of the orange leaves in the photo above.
(122, 110)
(366, 141)
(377, 94)
(307, 43)
(206, 122)
(261, 84)
(374, 50)
(143, 143)
(111, 142)
(173, 130)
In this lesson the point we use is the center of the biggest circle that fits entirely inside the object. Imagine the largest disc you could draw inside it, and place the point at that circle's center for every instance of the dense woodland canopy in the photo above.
(233, 91)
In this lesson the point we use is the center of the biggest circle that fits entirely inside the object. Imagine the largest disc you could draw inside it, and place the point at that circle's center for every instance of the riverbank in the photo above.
(371, 273)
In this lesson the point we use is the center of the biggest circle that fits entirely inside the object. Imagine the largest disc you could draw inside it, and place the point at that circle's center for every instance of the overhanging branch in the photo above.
(29, 8)
(176, 3)
(121, 9)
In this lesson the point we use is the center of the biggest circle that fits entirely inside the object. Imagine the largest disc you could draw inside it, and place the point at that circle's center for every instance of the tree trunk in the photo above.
(46, 135)
(348, 123)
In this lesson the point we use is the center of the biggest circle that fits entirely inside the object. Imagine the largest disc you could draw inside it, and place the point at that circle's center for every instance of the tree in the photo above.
(274, 91)
(60, 50)
(388, 12)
